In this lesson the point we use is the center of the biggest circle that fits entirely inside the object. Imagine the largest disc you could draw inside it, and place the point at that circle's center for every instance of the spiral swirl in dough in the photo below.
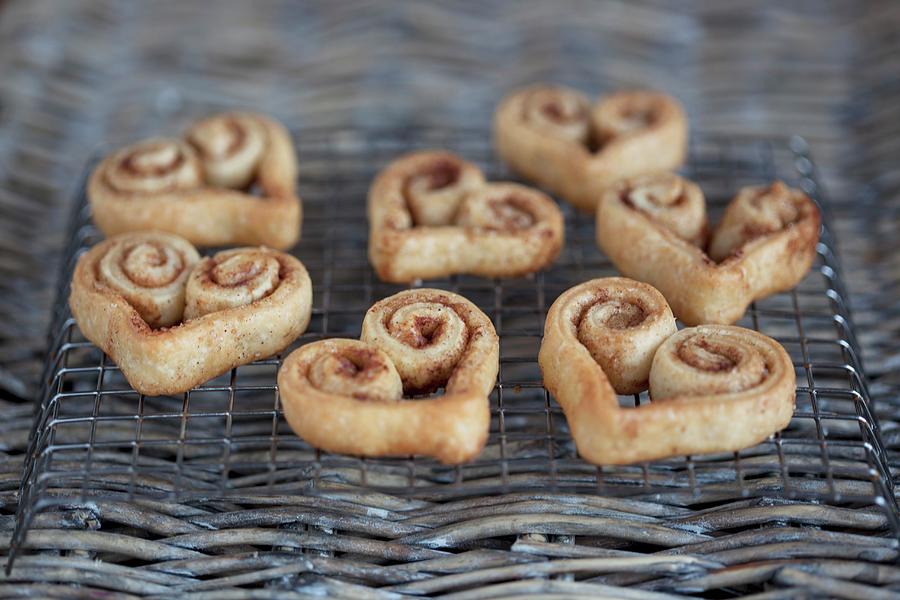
(435, 185)
(671, 200)
(429, 335)
(154, 166)
(230, 279)
(230, 146)
(710, 360)
(755, 212)
(355, 369)
(558, 112)
(150, 270)
(621, 323)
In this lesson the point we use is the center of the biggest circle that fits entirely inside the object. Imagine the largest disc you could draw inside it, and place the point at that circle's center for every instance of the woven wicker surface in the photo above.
(79, 74)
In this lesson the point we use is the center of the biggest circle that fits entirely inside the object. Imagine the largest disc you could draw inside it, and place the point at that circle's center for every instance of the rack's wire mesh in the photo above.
(95, 438)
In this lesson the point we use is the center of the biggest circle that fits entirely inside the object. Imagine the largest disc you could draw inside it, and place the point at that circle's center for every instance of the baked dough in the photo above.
(714, 388)
(765, 243)
(552, 136)
(172, 321)
(196, 187)
(347, 396)
(431, 215)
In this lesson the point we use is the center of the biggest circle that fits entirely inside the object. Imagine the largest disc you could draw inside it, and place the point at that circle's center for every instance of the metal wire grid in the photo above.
(94, 437)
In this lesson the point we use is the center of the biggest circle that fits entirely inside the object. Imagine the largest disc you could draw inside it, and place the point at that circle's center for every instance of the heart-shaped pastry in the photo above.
(198, 187)
(347, 396)
(713, 388)
(653, 228)
(431, 214)
(171, 320)
(553, 136)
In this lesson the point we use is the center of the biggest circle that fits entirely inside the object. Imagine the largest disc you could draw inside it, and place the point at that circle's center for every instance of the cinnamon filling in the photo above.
(237, 136)
(633, 118)
(653, 192)
(440, 174)
(218, 137)
(236, 271)
(152, 161)
(424, 332)
(425, 209)
(356, 372)
(358, 365)
(614, 313)
(510, 214)
(149, 264)
(706, 356)
(560, 114)
(623, 315)
(231, 279)
(346, 367)
(777, 210)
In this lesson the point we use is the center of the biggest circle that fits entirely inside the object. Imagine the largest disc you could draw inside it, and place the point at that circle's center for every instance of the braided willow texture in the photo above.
(352, 543)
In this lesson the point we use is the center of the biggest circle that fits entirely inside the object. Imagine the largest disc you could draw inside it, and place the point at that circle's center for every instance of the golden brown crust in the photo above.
(546, 133)
(171, 360)
(194, 187)
(432, 215)
(765, 243)
(714, 388)
(346, 395)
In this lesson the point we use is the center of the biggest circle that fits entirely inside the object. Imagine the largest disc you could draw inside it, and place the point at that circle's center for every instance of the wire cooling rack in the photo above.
(96, 438)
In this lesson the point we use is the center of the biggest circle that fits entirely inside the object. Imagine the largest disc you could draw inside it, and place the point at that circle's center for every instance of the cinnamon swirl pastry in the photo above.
(171, 321)
(347, 396)
(197, 187)
(431, 214)
(713, 388)
(554, 137)
(765, 243)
